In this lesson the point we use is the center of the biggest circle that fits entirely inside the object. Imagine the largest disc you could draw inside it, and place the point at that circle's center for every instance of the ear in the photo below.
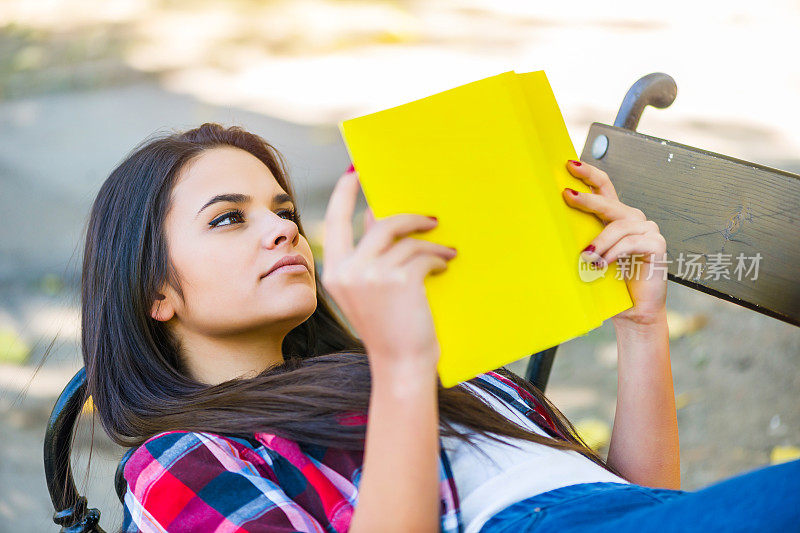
(162, 309)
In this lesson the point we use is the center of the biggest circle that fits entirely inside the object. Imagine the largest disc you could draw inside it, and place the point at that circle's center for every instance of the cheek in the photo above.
(307, 253)
(213, 274)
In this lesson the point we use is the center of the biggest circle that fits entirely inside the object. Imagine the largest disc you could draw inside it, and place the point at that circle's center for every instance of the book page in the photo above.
(610, 295)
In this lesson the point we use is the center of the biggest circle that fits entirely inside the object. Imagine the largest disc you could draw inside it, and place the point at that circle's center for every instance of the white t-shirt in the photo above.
(512, 474)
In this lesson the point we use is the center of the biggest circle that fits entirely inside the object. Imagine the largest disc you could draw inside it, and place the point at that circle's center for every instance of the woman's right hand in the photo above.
(378, 284)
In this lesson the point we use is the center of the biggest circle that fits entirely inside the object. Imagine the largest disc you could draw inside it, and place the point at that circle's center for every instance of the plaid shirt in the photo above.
(185, 481)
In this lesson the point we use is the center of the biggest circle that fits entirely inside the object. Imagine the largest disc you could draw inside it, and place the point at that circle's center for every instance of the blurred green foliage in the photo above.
(13, 348)
(35, 61)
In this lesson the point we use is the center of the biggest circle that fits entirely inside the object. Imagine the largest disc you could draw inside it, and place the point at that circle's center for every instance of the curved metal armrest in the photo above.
(71, 510)
(656, 89)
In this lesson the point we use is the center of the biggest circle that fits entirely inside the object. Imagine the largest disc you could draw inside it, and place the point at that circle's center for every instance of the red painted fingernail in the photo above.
(589, 248)
(351, 168)
(573, 192)
(434, 218)
(576, 163)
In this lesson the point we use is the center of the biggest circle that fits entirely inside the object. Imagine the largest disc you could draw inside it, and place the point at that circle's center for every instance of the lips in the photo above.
(288, 260)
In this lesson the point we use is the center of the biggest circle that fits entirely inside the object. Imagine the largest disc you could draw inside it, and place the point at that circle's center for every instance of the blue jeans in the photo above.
(764, 499)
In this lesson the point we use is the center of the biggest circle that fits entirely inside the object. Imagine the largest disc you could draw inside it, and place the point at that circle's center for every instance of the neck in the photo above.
(213, 360)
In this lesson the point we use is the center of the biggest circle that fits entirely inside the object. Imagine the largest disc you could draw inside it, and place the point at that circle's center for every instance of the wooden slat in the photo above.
(706, 203)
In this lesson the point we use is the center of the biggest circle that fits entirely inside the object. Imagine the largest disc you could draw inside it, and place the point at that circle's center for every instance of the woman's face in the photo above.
(221, 249)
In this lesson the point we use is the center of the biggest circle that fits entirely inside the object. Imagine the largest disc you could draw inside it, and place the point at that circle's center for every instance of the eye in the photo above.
(292, 214)
(230, 214)
(237, 214)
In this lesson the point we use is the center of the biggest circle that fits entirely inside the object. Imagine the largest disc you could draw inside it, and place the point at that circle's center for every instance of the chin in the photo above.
(297, 307)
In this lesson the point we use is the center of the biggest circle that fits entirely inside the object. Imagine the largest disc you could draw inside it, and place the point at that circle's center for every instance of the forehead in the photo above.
(222, 170)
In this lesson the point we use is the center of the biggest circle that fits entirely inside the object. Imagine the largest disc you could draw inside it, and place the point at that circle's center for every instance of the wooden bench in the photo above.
(708, 207)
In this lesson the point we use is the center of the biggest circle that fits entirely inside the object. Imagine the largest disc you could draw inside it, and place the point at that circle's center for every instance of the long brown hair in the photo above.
(133, 364)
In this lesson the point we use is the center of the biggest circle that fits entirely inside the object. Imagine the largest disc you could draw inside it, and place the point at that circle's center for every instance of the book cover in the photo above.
(488, 160)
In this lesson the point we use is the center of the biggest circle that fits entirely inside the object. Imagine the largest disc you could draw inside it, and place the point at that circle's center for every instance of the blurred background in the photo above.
(83, 81)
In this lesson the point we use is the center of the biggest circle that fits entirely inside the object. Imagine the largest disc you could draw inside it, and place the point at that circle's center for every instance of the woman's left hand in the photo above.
(627, 232)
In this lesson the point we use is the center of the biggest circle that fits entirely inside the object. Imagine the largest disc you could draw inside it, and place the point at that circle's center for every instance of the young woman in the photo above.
(210, 344)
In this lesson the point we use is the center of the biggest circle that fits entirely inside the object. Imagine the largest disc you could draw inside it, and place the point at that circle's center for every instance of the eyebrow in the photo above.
(238, 198)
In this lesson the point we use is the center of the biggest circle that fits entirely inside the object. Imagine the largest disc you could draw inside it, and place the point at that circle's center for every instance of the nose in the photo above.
(278, 230)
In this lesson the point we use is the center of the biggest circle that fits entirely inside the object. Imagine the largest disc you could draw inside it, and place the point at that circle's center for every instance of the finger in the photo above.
(606, 209)
(385, 232)
(419, 266)
(612, 233)
(595, 178)
(369, 220)
(650, 246)
(338, 225)
(407, 248)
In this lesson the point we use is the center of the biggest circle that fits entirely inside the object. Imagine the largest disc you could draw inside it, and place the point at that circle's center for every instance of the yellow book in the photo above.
(488, 160)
